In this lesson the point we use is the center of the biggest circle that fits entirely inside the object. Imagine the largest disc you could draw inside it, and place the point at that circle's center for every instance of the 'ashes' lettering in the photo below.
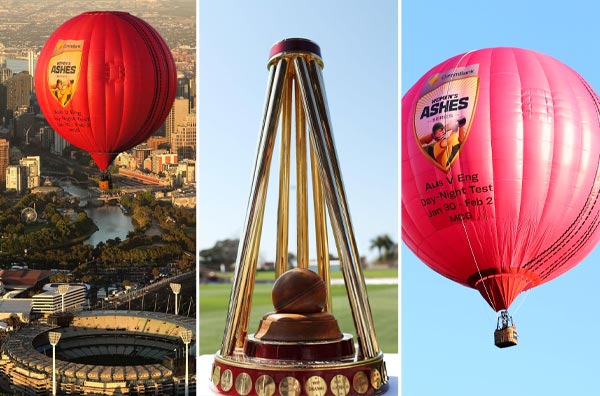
(59, 69)
(444, 106)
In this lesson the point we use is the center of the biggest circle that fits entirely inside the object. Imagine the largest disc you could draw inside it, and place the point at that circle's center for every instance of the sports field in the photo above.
(214, 301)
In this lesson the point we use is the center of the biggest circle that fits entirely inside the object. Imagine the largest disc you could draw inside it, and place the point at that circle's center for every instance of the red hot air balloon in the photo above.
(105, 82)
(500, 171)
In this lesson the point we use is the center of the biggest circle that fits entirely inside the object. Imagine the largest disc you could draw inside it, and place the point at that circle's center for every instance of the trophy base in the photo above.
(341, 349)
(241, 375)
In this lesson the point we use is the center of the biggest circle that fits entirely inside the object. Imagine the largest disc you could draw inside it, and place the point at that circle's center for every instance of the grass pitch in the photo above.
(214, 302)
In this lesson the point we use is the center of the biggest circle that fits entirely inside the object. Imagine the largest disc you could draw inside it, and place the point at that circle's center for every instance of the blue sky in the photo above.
(447, 329)
(359, 45)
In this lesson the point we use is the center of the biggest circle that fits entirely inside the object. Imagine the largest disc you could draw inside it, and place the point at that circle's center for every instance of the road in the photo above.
(159, 297)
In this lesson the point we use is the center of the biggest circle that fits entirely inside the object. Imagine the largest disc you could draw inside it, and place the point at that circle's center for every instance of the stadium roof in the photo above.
(22, 278)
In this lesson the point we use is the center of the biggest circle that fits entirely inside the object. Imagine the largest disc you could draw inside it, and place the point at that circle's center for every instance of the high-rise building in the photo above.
(46, 137)
(33, 170)
(31, 58)
(4, 160)
(18, 91)
(60, 144)
(183, 86)
(16, 178)
(183, 141)
(180, 110)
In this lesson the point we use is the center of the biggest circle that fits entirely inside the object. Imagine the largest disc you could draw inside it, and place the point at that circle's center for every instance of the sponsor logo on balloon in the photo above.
(443, 114)
(63, 70)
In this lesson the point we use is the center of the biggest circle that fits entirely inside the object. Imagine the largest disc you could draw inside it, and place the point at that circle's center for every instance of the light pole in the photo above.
(176, 287)
(186, 337)
(128, 288)
(53, 336)
(62, 290)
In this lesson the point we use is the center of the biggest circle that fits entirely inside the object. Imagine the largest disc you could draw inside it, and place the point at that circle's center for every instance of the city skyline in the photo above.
(67, 247)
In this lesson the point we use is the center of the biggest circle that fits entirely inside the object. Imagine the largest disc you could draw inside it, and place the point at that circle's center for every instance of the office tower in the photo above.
(46, 137)
(16, 178)
(31, 59)
(33, 170)
(180, 110)
(60, 144)
(183, 86)
(18, 91)
(183, 142)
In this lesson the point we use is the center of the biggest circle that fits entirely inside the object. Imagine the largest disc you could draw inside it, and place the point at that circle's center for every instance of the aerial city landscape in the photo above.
(98, 283)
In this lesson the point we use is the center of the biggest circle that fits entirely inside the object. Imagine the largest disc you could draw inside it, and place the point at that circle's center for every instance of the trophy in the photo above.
(298, 349)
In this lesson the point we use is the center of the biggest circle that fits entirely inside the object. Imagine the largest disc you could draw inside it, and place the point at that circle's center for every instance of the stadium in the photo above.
(102, 353)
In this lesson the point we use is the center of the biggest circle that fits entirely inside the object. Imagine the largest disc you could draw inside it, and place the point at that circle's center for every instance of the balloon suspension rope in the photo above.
(462, 221)
(522, 301)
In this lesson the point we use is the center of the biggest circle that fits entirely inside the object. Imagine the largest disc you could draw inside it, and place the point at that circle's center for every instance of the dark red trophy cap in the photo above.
(298, 45)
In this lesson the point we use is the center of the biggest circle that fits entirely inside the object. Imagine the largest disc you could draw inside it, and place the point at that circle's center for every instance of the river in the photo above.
(111, 220)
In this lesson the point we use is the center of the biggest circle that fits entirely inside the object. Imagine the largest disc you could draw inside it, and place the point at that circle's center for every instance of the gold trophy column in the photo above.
(296, 92)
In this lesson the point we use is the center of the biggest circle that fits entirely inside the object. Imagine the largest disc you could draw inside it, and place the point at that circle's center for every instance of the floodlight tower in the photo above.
(53, 336)
(128, 288)
(176, 287)
(62, 290)
(186, 337)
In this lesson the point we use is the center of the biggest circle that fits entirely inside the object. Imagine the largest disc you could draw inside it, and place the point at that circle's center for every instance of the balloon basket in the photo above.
(506, 337)
(299, 350)
(506, 332)
(105, 182)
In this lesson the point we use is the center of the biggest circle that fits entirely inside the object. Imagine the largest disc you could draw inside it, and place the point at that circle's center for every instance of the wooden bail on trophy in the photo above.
(299, 349)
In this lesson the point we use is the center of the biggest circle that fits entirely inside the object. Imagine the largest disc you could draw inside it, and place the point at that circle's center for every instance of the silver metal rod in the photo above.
(313, 95)
(243, 285)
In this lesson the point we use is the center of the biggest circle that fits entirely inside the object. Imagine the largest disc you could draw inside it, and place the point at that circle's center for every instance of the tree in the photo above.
(224, 252)
(384, 245)
(291, 260)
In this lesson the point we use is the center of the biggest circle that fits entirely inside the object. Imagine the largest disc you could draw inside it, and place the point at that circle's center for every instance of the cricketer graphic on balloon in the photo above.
(500, 170)
(105, 81)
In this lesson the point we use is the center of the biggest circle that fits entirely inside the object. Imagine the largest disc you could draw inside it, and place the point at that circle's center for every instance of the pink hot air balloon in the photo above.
(500, 170)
